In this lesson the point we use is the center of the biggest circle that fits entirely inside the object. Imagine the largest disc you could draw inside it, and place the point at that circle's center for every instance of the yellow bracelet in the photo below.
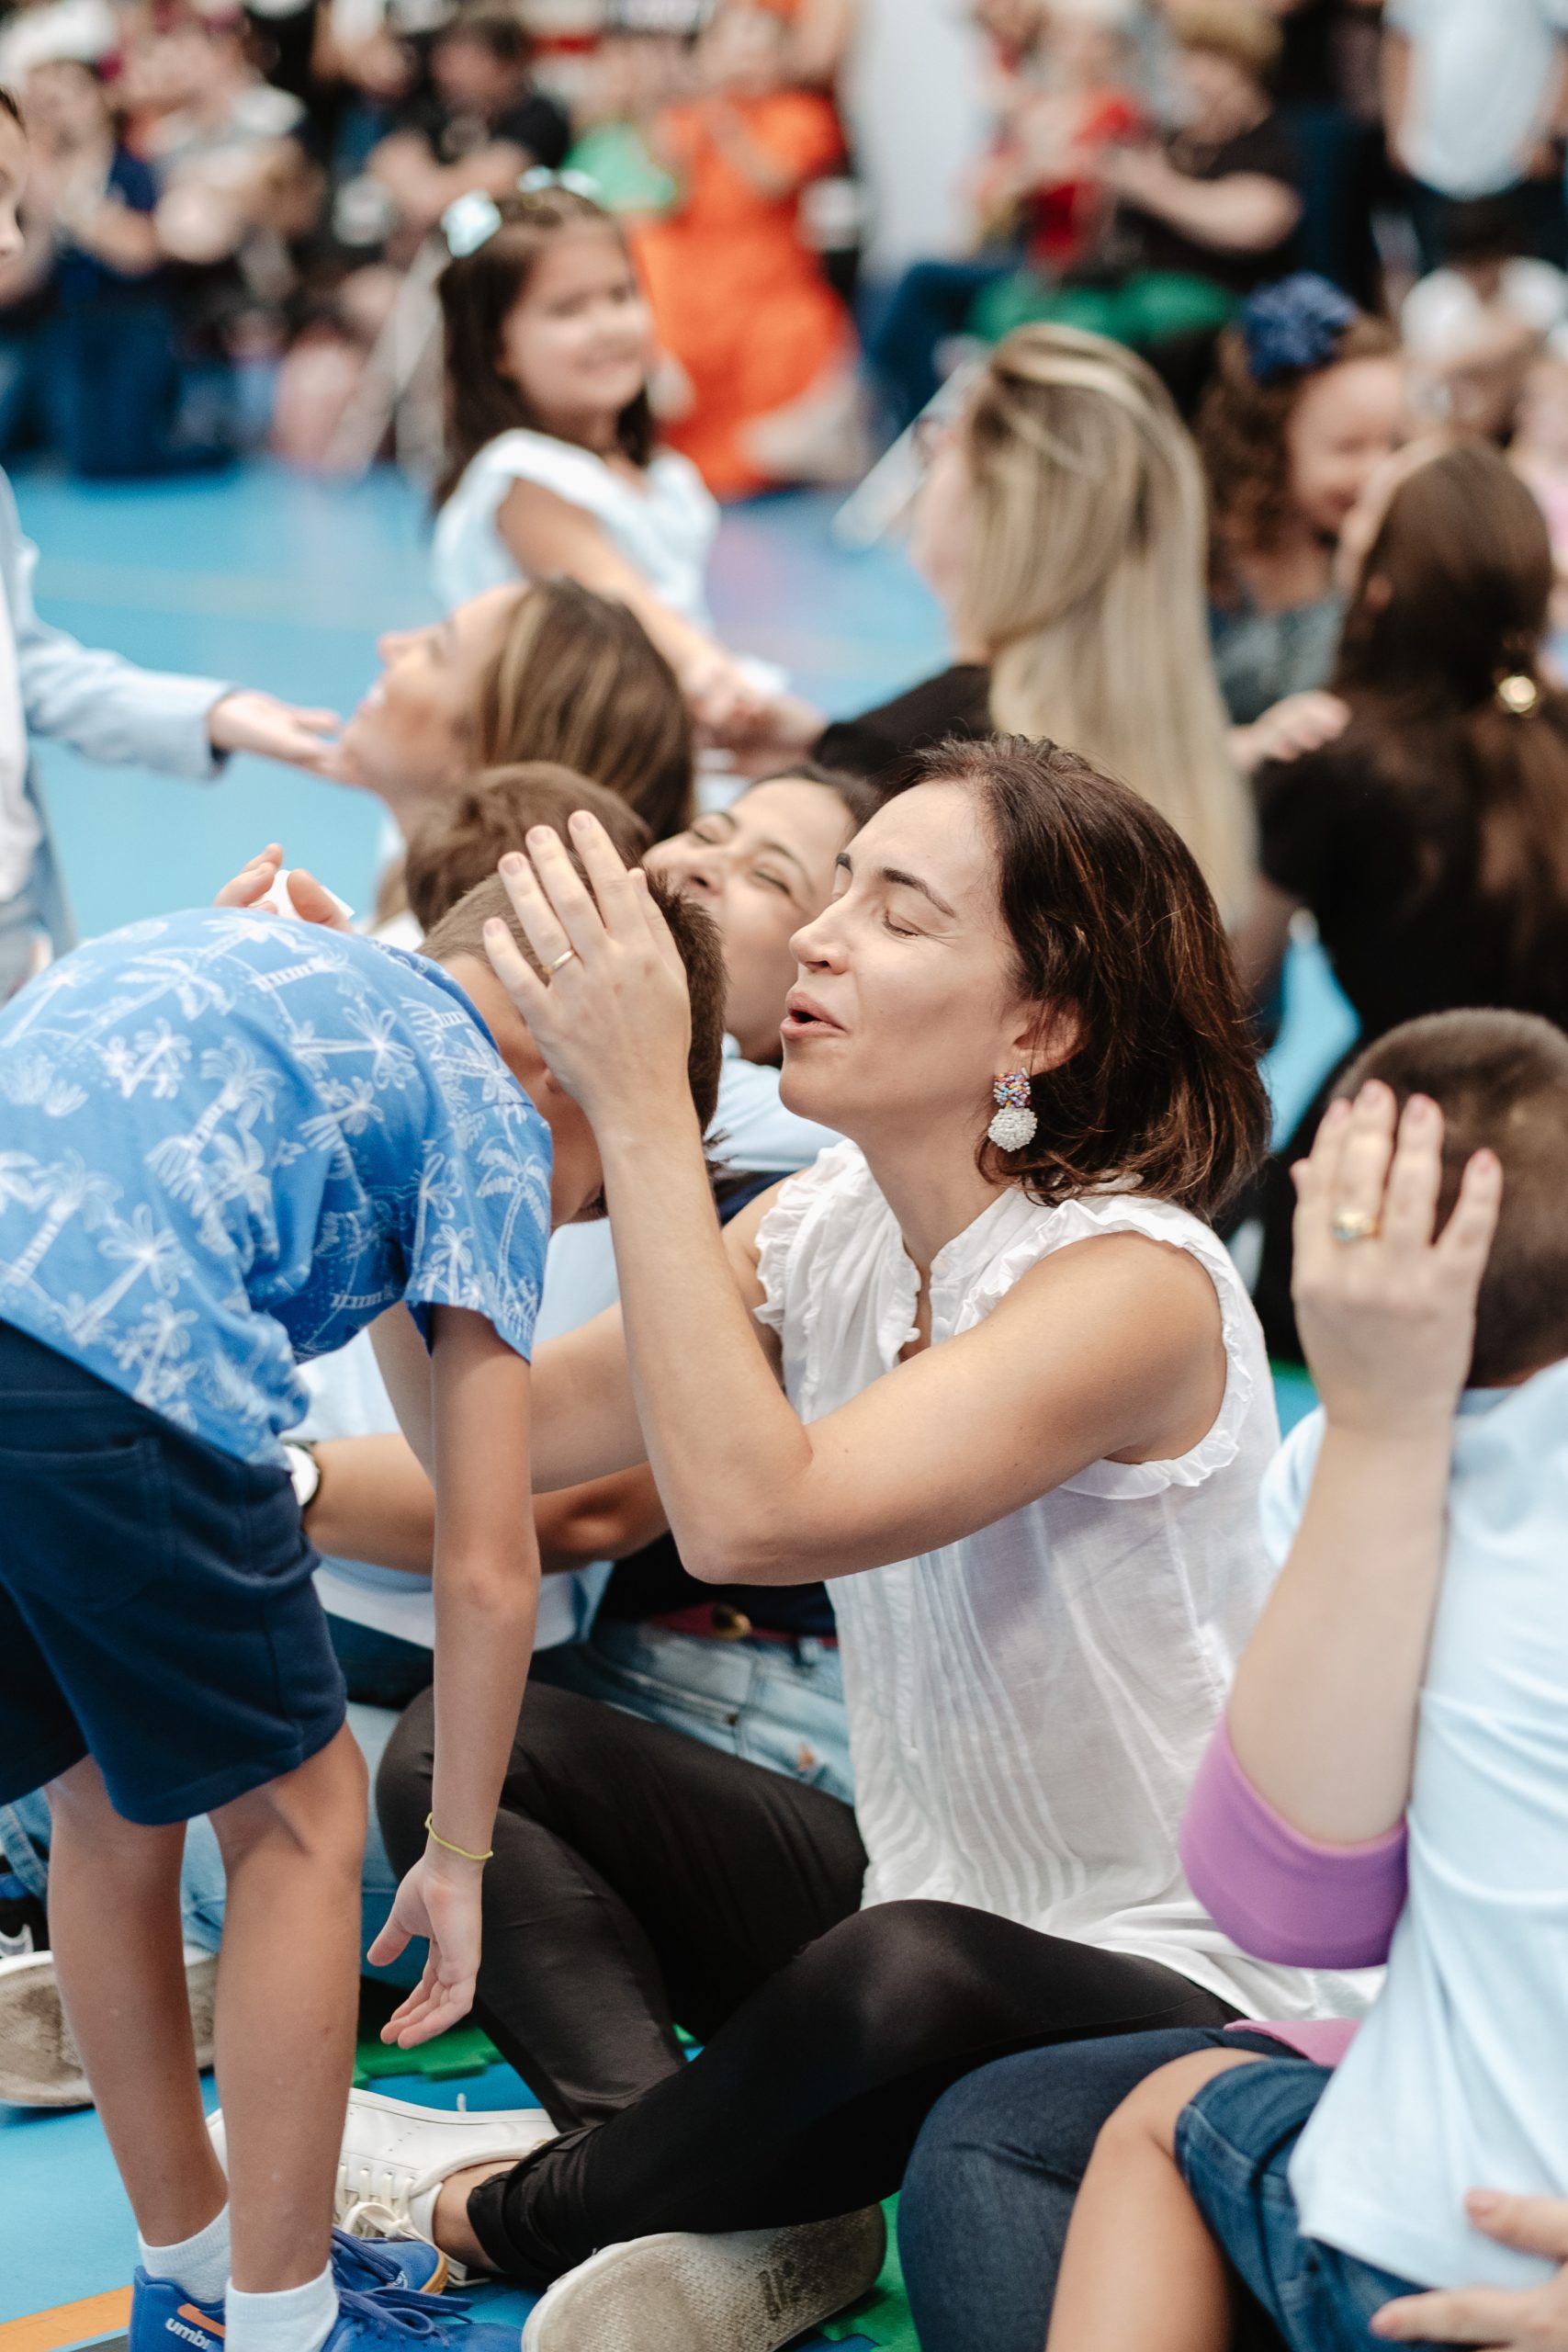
(432, 1832)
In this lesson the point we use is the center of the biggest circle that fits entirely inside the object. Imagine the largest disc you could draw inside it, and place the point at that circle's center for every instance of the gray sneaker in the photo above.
(752, 2290)
(39, 2066)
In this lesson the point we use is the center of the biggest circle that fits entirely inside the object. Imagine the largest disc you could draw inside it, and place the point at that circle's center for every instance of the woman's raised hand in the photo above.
(611, 1013)
(1387, 1312)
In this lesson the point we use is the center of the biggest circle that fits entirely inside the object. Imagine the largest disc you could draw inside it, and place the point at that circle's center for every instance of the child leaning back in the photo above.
(230, 1142)
(1425, 1572)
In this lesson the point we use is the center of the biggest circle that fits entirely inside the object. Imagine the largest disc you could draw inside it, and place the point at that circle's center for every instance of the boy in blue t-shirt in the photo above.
(227, 1142)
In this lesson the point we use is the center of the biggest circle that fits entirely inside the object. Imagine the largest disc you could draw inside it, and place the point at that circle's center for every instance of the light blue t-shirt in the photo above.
(1459, 2078)
(228, 1140)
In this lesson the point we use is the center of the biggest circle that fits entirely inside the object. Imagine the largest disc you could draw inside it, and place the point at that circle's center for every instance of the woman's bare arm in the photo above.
(1111, 1348)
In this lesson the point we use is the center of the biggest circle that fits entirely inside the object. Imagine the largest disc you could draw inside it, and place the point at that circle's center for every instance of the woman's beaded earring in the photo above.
(1014, 1123)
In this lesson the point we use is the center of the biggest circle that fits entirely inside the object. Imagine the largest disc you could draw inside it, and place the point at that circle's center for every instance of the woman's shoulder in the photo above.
(1204, 1282)
(1029, 1232)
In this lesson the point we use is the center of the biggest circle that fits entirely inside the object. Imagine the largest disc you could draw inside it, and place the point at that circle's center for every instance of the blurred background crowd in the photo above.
(233, 210)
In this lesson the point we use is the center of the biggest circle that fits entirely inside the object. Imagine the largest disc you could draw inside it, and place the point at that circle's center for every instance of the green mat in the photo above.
(883, 2314)
(464, 2050)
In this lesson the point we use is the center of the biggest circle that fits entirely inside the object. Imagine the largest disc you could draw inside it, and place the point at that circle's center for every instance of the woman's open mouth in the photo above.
(805, 1018)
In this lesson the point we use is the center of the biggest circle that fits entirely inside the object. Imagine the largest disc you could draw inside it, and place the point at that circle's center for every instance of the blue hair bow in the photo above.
(1292, 325)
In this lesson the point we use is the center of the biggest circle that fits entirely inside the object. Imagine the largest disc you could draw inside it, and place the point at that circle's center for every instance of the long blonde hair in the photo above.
(1085, 581)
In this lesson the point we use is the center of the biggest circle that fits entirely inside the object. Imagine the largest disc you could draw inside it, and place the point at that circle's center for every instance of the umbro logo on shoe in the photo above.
(195, 2328)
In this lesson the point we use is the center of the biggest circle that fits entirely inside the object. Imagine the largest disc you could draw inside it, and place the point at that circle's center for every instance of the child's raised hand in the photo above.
(612, 1016)
(439, 1900)
(1387, 1312)
(253, 880)
(311, 900)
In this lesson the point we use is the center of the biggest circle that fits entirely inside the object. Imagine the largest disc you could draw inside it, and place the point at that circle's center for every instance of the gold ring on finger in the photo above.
(560, 963)
(1354, 1225)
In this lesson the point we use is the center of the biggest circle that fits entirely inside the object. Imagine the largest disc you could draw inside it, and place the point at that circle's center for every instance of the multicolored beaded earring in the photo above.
(1014, 1123)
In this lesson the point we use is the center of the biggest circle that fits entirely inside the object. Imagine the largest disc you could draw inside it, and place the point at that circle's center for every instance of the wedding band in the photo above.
(561, 963)
(1354, 1225)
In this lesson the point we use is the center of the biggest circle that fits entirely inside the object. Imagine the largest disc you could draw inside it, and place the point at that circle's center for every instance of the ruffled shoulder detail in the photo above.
(576, 475)
(834, 1186)
(1082, 1220)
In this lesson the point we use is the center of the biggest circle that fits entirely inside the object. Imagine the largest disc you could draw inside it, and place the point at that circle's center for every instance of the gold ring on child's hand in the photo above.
(1354, 1225)
(560, 963)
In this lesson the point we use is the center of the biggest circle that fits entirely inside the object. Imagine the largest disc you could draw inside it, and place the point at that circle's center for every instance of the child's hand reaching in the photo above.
(1387, 1312)
(310, 899)
(439, 1900)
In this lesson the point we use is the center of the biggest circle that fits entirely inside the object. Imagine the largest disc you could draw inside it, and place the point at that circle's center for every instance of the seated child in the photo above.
(230, 1142)
(1332, 2193)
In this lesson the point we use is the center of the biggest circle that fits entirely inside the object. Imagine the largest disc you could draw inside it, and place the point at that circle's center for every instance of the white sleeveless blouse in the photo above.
(1028, 1707)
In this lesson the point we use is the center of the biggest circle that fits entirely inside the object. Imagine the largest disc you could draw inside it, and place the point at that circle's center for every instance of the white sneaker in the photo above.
(750, 2291)
(40, 2064)
(395, 2156)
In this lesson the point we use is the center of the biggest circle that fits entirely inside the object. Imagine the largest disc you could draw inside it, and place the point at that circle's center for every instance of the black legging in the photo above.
(637, 1877)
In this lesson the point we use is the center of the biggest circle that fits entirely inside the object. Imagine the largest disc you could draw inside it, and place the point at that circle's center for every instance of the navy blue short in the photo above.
(156, 1605)
(1234, 2145)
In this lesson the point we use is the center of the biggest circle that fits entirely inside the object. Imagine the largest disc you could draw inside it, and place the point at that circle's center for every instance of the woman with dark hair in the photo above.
(1306, 401)
(1430, 841)
(986, 1370)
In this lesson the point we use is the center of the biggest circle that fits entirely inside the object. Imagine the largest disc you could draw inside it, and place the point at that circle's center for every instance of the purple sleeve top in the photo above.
(1278, 1895)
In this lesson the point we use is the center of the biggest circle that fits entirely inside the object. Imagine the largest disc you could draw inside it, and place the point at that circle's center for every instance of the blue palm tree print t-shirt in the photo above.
(228, 1140)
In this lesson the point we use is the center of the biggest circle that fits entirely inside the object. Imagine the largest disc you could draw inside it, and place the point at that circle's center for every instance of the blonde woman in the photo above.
(1062, 525)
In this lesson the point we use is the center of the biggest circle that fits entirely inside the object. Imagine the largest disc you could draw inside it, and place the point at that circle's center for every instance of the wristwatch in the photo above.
(305, 1471)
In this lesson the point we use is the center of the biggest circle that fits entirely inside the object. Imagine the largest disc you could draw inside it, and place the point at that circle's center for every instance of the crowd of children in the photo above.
(768, 1237)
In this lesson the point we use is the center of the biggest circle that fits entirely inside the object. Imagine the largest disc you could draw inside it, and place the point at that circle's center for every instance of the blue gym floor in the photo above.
(269, 580)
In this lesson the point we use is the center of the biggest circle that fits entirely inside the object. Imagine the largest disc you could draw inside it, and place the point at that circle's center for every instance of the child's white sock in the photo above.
(300, 2319)
(200, 2265)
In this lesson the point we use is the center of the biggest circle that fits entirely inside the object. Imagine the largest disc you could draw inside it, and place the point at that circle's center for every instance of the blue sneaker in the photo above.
(163, 2316)
(392, 2321)
(368, 2266)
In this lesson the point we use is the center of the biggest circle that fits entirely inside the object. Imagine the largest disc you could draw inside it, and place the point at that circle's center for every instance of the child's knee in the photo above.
(318, 1810)
(1150, 2114)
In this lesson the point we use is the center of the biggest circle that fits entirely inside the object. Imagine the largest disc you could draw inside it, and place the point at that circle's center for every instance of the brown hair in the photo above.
(1500, 1078)
(479, 292)
(494, 29)
(461, 932)
(461, 845)
(10, 104)
(1238, 29)
(1243, 437)
(1110, 916)
(860, 798)
(578, 680)
(1452, 598)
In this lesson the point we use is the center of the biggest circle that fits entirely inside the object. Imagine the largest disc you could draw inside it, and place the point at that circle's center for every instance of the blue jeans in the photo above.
(780, 1704)
(989, 2189)
(1234, 2143)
